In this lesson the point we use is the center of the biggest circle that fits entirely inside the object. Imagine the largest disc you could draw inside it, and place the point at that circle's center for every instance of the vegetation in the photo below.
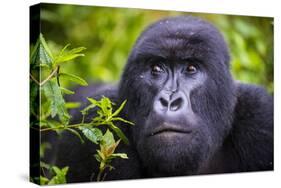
(110, 37)
(52, 115)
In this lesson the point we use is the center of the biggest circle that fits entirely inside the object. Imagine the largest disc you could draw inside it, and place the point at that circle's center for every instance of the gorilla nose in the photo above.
(169, 102)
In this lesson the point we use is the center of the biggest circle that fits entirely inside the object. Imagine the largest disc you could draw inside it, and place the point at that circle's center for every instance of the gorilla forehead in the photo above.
(182, 38)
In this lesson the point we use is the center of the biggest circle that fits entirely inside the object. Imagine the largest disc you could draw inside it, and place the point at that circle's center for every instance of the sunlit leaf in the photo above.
(119, 109)
(73, 78)
(66, 91)
(70, 105)
(67, 55)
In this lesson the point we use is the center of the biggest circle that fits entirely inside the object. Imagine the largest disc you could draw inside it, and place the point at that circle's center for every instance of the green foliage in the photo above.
(105, 116)
(73, 78)
(58, 178)
(93, 134)
(54, 114)
(106, 153)
(110, 38)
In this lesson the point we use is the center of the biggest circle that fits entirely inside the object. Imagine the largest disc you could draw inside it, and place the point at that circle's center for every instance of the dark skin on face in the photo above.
(190, 116)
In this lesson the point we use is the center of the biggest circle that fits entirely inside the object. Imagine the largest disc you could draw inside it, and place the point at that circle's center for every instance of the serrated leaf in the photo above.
(93, 134)
(66, 91)
(54, 95)
(41, 54)
(73, 78)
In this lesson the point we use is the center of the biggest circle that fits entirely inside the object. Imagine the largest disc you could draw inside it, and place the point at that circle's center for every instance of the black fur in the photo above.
(229, 125)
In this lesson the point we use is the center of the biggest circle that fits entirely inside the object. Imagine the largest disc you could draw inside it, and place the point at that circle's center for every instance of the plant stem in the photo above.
(62, 127)
(49, 77)
(99, 174)
(34, 79)
(46, 80)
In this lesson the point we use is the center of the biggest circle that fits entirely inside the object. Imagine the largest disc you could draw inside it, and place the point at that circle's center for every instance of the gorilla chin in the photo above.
(171, 148)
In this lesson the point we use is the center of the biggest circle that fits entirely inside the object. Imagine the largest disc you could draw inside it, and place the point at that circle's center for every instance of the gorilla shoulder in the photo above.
(252, 130)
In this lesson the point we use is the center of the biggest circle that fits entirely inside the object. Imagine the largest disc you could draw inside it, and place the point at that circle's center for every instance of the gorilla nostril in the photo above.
(176, 104)
(163, 102)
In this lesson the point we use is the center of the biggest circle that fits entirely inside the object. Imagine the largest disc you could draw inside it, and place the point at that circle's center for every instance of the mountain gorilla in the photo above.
(190, 116)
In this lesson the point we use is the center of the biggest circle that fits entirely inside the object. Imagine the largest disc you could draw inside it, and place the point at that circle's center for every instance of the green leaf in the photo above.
(98, 158)
(70, 105)
(35, 52)
(45, 46)
(93, 101)
(66, 91)
(85, 110)
(44, 165)
(119, 109)
(60, 176)
(41, 54)
(121, 155)
(101, 155)
(53, 94)
(108, 139)
(76, 133)
(119, 133)
(67, 55)
(65, 170)
(123, 120)
(93, 134)
(106, 106)
(43, 180)
(73, 78)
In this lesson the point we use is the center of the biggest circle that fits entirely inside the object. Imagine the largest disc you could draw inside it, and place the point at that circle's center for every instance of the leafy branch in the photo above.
(45, 77)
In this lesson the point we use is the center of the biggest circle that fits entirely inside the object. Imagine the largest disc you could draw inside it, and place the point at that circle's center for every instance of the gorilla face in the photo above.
(180, 95)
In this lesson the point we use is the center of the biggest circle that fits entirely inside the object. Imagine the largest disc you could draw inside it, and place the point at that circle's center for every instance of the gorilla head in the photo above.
(180, 95)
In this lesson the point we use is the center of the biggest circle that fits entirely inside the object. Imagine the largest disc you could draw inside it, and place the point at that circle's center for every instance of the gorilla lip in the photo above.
(169, 128)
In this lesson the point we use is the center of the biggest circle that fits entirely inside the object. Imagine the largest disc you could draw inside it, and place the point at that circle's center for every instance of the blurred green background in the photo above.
(109, 34)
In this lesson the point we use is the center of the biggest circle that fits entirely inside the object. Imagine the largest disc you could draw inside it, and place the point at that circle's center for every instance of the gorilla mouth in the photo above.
(169, 128)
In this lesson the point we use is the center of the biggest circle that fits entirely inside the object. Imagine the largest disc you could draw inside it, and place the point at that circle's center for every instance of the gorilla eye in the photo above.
(156, 69)
(191, 69)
